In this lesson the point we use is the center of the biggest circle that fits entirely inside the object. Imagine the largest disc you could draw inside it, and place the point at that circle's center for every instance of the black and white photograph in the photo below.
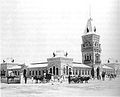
(59, 48)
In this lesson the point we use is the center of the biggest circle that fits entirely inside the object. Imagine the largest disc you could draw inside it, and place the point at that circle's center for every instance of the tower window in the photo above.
(90, 56)
(85, 57)
(83, 45)
(87, 30)
(94, 29)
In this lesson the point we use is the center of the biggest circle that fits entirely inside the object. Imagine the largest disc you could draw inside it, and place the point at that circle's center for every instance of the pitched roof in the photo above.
(37, 65)
(106, 67)
(81, 65)
(14, 67)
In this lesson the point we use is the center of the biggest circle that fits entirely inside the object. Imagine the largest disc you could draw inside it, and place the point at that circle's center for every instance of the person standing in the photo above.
(21, 78)
(92, 72)
(32, 79)
(25, 79)
(52, 79)
(25, 75)
(69, 80)
(98, 73)
(103, 75)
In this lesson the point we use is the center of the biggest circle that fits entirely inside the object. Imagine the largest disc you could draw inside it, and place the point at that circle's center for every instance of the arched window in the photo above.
(66, 70)
(83, 45)
(76, 72)
(54, 70)
(90, 56)
(85, 57)
(15, 72)
(87, 30)
(70, 71)
(43, 72)
(94, 29)
(33, 72)
(36, 72)
(73, 71)
(82, 72)
(39, 72)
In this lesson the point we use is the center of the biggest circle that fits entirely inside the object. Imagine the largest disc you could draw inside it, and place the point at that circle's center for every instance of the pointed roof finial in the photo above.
(90, 10)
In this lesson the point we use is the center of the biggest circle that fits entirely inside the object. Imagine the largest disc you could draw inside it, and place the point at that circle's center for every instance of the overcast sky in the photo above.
(32, 29)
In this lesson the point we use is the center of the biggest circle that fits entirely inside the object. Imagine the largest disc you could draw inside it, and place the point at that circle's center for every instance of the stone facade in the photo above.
(59, 66)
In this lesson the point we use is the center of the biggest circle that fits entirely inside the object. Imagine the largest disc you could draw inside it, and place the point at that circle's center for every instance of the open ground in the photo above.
(93, 88)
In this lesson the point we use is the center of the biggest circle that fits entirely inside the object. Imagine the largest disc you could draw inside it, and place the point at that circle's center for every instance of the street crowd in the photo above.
(46, 78)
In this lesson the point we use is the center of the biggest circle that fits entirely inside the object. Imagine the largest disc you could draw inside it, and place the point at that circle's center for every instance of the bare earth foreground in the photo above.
(93, 88)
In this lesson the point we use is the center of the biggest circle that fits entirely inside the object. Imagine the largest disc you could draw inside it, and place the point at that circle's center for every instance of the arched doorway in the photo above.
(70, 71)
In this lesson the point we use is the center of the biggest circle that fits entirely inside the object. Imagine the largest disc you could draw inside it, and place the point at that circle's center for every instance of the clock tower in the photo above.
(90, 47)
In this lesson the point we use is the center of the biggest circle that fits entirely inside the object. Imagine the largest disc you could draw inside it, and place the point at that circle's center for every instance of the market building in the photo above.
(60, 64)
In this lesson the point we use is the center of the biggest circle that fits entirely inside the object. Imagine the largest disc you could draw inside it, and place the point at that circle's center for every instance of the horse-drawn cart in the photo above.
(12, 78)
(79, 79)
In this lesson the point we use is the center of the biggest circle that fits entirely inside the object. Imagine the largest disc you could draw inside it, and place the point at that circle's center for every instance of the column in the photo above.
(77, 71)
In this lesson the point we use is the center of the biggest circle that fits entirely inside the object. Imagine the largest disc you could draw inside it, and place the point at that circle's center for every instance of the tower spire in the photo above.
(90, 11)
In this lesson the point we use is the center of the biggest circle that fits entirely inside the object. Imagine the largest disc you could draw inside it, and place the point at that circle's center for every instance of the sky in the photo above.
(31, 30)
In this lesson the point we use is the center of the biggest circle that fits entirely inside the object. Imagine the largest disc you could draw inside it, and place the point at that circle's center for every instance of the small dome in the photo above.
(60, 53)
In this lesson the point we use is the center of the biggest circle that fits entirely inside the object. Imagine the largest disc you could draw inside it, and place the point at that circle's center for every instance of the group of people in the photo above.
(102, 75)
(61, 78)
(98, 74)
